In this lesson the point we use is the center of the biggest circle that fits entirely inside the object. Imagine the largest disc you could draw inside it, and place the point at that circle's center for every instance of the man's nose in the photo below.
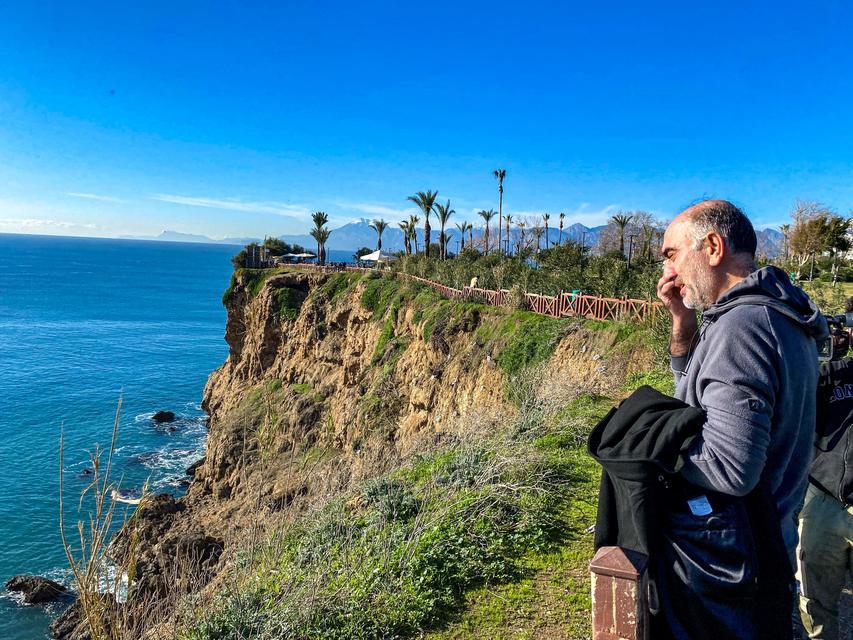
(668, 270)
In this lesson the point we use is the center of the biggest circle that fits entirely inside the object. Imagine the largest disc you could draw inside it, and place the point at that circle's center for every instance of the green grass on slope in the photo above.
(551, 598)
(482, 539)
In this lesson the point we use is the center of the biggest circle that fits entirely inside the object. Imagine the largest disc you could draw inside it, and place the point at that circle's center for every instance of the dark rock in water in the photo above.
(163, 416)
(145, 458)
(194, 467)
(86, 472)
(35, 588)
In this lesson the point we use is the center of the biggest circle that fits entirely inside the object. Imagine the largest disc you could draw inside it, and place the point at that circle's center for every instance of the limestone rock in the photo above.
(35, 588)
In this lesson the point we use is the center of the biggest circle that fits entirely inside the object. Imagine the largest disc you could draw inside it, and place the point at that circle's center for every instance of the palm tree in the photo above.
(537, 233)
(562, 217)
(500, 174)
(404, 227)
(413, 230)
(487, 218)
(425, 201)
(621, 220)
(320, 219)
(321, 235)
(463, 227)
(545, 218)
(443, 211)
(508, 218)
(379, 226)
(521, 226)
(471, 234)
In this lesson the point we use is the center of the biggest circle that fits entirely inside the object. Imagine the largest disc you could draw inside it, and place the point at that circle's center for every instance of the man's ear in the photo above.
(715, 248)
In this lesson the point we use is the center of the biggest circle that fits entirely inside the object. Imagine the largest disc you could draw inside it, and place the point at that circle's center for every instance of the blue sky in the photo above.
(240, 118)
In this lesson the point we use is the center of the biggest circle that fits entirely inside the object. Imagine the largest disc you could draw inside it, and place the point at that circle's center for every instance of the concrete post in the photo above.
(619, 595)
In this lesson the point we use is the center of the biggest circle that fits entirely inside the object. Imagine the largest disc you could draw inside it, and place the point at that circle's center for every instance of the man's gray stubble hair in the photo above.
(732, 224)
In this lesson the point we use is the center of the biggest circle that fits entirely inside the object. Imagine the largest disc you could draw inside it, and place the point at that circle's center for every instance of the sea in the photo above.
(86, 323)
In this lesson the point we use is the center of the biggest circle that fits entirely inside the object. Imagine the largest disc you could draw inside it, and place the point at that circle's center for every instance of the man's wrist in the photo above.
(683, 332)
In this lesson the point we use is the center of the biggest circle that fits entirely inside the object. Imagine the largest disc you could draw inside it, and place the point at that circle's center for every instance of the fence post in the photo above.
(619, 595)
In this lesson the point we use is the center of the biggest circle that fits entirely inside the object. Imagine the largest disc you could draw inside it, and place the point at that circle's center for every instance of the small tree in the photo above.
(443, 211)
(621, 221)
(562, 218)
(425, 200)
(413, 231)
(487, 218)
(321, 235)
(379, 227)
(462, 227)
(407, 245)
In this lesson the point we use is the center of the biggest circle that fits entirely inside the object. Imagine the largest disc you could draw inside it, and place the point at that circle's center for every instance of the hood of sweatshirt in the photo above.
(771, 287)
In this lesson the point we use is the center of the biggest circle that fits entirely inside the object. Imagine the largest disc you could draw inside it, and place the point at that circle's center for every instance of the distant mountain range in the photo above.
(177, 236)
(355, 235)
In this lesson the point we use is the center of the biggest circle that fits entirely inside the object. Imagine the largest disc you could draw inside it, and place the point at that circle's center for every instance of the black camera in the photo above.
(837, 344)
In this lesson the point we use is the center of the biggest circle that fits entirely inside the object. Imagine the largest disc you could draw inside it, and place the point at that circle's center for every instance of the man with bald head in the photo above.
(751, 365)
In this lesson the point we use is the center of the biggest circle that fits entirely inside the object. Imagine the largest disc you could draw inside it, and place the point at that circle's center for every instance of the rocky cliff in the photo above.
(331, 379)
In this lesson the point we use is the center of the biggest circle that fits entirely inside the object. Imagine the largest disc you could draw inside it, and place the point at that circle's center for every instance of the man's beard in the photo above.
(698, 295)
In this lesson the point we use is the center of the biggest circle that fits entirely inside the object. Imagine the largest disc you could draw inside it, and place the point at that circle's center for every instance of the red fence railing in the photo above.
(564, 305)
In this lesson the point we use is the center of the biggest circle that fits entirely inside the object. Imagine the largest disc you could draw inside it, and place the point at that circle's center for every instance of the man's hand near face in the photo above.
(684, 323)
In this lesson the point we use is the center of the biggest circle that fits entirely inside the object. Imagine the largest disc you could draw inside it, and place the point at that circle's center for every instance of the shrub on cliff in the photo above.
(560, 268)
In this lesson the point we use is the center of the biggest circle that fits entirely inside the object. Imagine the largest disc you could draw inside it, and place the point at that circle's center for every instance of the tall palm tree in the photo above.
(545, 219)
(562, 217)
(321, 235)
(487, 218)
(413, 230)
(320, 219)
(471, 234)
(537, 233)
(379, 227)
(404, 227)
(425, 200)
(621, 220)
(463, 227)
(443, 211)
(508, 218)
(500, 174)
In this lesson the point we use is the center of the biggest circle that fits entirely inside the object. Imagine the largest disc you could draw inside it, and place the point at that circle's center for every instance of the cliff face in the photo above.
(331, 379)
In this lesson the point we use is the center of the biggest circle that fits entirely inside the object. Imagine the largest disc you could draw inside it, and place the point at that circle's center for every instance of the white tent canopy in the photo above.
(378, 256)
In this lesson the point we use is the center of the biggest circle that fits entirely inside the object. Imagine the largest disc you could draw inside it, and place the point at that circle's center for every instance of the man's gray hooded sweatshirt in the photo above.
(753, 368)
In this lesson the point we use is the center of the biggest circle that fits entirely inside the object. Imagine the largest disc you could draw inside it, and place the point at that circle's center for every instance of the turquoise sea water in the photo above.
(83, 321)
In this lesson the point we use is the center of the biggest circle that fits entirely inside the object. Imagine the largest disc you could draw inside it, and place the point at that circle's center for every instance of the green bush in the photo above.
(338, 284)
(288, 302)
(531, 340)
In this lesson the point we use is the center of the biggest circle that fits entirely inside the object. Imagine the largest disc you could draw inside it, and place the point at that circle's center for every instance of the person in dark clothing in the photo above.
(751, 366)
(826, 521)
(708, 575)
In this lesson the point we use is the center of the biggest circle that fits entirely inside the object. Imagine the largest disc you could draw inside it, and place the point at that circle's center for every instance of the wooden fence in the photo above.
(564, 305)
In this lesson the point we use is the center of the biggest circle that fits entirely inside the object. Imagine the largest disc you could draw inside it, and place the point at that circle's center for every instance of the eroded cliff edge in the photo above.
(332, 379)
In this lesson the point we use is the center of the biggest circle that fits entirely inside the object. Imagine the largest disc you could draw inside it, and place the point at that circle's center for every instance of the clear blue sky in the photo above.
(239, 118)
